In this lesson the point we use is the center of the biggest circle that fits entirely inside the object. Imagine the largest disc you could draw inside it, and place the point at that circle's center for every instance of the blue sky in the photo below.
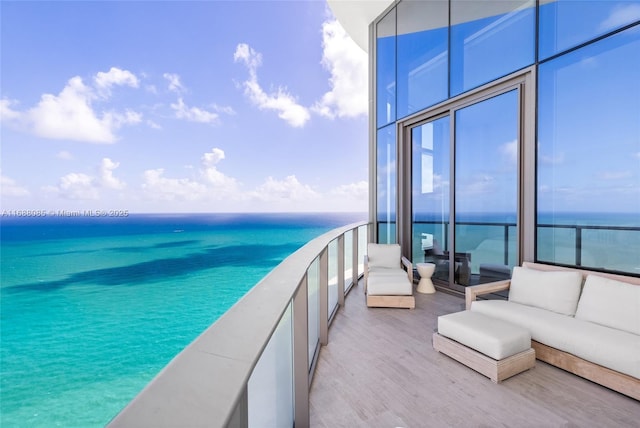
(159, 106)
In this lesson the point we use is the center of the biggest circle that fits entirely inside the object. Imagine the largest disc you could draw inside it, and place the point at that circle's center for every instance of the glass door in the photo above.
(486, 189)
(430, 194)
(465, 199)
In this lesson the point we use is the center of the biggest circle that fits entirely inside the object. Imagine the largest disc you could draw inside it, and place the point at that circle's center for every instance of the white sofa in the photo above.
(386, 283)
(585, 322)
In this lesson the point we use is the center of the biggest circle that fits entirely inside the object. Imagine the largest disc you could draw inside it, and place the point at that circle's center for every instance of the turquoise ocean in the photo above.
(93, 308)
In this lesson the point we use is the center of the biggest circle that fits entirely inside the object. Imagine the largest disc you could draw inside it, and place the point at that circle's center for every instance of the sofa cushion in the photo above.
(384, 255)
(556, 291)
(610, 303)
(608, 347)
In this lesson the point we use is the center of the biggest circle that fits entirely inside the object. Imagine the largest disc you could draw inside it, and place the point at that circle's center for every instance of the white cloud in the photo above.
(70, 114)
(153, 125)
(64, 155)
(107, 179)
(614, 175)
(77, 186)
(193, 114)
(82, 186)
(348, 64)
(637, 154)
(553, 160)
(289, 189)
(479, 184)
(210, 184)
(281, 101)
(510, 151)
(115, 77)
(170, 189)
(221, 183)
(9, 187)
(6, 112)
(358, 190)
(175, 85)
(224, 109)
(621, 15)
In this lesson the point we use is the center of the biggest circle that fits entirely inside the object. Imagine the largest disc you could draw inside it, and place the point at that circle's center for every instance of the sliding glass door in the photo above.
(430, 193)
(464, 180)
(486, 189)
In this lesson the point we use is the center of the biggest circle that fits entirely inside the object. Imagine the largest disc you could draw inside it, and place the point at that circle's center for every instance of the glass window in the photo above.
(561, 30)
(490, 39)
(422, 54)
(430, 177)
(588, 184)
(386, 168)
(386, 69)
(486, 189)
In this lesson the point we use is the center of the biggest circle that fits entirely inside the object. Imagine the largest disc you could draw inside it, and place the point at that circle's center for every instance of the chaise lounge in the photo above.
(388, 277)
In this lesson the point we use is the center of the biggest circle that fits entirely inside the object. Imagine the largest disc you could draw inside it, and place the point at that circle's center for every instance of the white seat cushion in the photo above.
(490, 336)
(389, 282)
(556, 291)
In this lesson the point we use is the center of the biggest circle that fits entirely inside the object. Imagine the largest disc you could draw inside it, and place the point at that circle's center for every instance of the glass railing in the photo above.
(487, 246)
(253, 366)
(601, 247)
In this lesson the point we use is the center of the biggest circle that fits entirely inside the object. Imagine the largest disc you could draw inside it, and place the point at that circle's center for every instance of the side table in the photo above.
(425, 285)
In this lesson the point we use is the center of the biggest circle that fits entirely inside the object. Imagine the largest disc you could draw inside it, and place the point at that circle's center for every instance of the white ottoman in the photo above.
(425, 285)
(490, 346)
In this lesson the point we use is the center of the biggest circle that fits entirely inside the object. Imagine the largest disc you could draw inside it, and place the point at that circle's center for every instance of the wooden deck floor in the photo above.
(380, 370)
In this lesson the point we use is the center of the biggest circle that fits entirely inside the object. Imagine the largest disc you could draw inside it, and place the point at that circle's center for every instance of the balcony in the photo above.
(273, 361)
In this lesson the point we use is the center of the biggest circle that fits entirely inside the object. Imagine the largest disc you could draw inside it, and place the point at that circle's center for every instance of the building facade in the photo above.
(507, 131)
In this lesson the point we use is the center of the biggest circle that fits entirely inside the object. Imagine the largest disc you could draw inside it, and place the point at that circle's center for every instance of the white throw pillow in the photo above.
(610, 303)
(384, 255)
(556, 291)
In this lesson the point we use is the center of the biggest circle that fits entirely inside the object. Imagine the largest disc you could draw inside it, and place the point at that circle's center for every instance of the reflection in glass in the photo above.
(348, 259)
(486, 189)
(490, 40)
(560, 30)
(386, 167)
(332, 255)
(386, 69)
(313, 290)
(270, 387)
(422, 54)
(588, 155)
(430, 184)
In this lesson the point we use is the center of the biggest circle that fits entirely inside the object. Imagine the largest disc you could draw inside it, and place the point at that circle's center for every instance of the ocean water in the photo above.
(93, 308)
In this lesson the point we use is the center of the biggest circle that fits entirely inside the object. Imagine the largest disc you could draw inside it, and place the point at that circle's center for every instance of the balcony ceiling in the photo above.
(356, 15)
